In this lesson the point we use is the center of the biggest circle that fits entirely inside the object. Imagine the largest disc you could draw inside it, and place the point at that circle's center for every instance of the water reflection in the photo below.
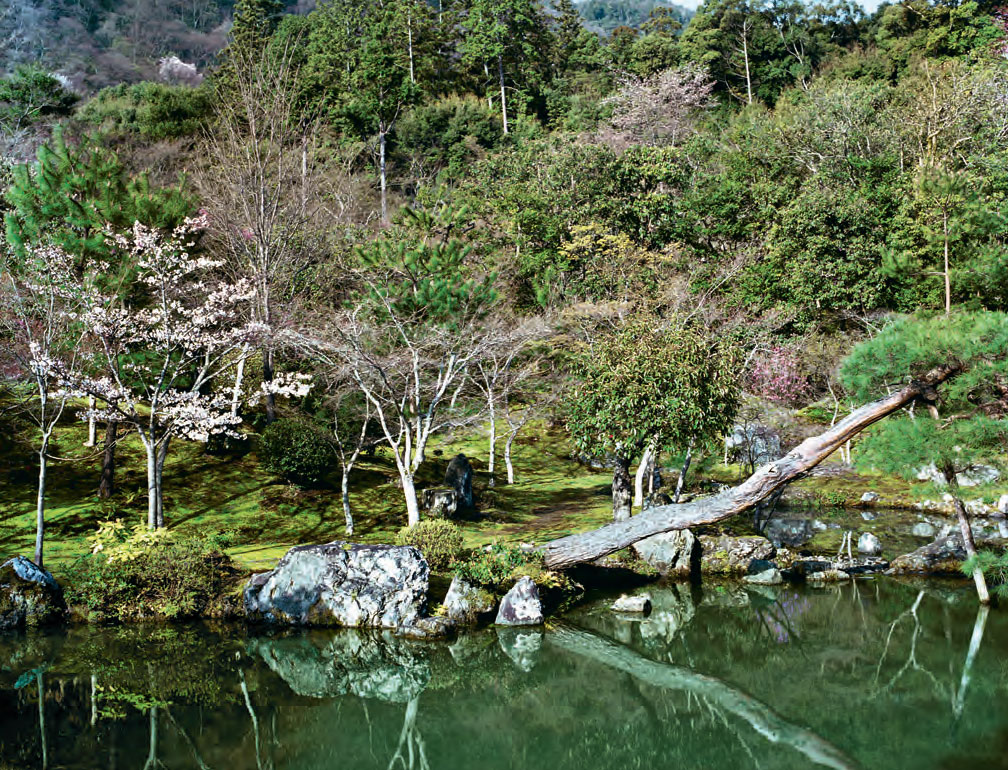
(876, 674)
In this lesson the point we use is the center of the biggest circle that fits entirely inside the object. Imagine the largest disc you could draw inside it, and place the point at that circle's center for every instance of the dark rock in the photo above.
(29, 596)
(942, 556)
(459, 477)
(521, 605)
(466, 604)
(671, 553)
(726, 555)
(441, 502)
(757, 566)
(341, 584)
(325, 665)
(521, 645)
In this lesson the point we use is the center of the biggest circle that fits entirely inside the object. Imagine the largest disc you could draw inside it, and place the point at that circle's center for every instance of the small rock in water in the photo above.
(828, 576)
(869, 544)
(923, 529)
(770, 577)
(638, 603)
(521, 605)
(870, 497)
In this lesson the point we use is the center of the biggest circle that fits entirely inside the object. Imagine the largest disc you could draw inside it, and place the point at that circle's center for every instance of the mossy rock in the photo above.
(29, 596)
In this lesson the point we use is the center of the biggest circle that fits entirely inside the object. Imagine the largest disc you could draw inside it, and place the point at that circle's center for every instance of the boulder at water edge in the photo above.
(671, 553)
(726, 555)
(521, 605)
(944, 555)
(341, 584)
(466, 604)
(29, 596)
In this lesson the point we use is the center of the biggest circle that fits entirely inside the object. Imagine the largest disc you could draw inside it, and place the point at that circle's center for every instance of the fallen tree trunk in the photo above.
(588, 546)
(760, 717)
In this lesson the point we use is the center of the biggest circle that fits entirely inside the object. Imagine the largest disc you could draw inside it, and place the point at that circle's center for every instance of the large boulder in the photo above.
(753, 444)
(326, 664)
(521, 605)
(441, 502)
(726, 555)
(466, 604)
(671, 553)
(459, 476)
(942, 556)
(341, 584)
(29, 596)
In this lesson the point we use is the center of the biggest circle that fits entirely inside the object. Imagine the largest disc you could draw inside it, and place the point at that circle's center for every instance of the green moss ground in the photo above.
(553, 496)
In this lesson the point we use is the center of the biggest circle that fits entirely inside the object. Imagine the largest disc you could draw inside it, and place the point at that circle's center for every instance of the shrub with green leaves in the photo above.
(141, 574)
(298, 450)
(439, 541)
(494, 565)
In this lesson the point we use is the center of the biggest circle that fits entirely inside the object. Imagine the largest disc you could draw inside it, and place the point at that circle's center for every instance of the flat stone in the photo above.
(770, 577)
(636, 603)
(828, 576)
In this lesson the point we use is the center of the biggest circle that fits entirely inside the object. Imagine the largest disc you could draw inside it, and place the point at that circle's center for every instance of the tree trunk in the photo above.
(622, 490)
(948, 281)
(381, 174)
(345, 493)
(152, 501)
(162, 454)
(745, 53)
(707, 689)
(239, 378)
(492, 442)
(507, 456)
(409, 491)
(106, 484)
(500, 75)
(40, 500)
(967, 534)
(681, 483)
(575, 549)
(267, 356)
(92, 427)
(642, 470)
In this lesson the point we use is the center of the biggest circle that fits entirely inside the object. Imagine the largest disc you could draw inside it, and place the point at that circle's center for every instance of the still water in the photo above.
(881, 674)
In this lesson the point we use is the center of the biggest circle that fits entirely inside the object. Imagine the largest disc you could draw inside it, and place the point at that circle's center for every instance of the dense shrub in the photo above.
(298, 450)
(153, 110)
(439, 541)
(494, 565)
(141, 573)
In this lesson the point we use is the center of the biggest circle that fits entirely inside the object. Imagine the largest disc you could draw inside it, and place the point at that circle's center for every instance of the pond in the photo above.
(877, 674)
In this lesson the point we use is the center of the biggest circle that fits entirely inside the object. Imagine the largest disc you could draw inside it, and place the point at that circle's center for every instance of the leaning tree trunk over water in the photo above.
(588, 546)
(670, 677)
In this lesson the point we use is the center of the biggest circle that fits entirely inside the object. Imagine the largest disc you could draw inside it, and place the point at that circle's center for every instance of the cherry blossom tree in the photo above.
(39, 297)
(160, 357)
(660, 109)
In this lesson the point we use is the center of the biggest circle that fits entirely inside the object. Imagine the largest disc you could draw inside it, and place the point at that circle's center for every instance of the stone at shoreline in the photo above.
(440, 502)
(726, 555)
(870, 497)
(433, 627)
(770, 577)
(869, 544)
(977, 475)
(828, 576)
(942, 556)
(29, 596)
(923, 529)
(671, 553)
(341, 584)
(521, 645)
(521, 605)
(466, 604)
(459, 476)
(637, 603)
(1002, 504)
